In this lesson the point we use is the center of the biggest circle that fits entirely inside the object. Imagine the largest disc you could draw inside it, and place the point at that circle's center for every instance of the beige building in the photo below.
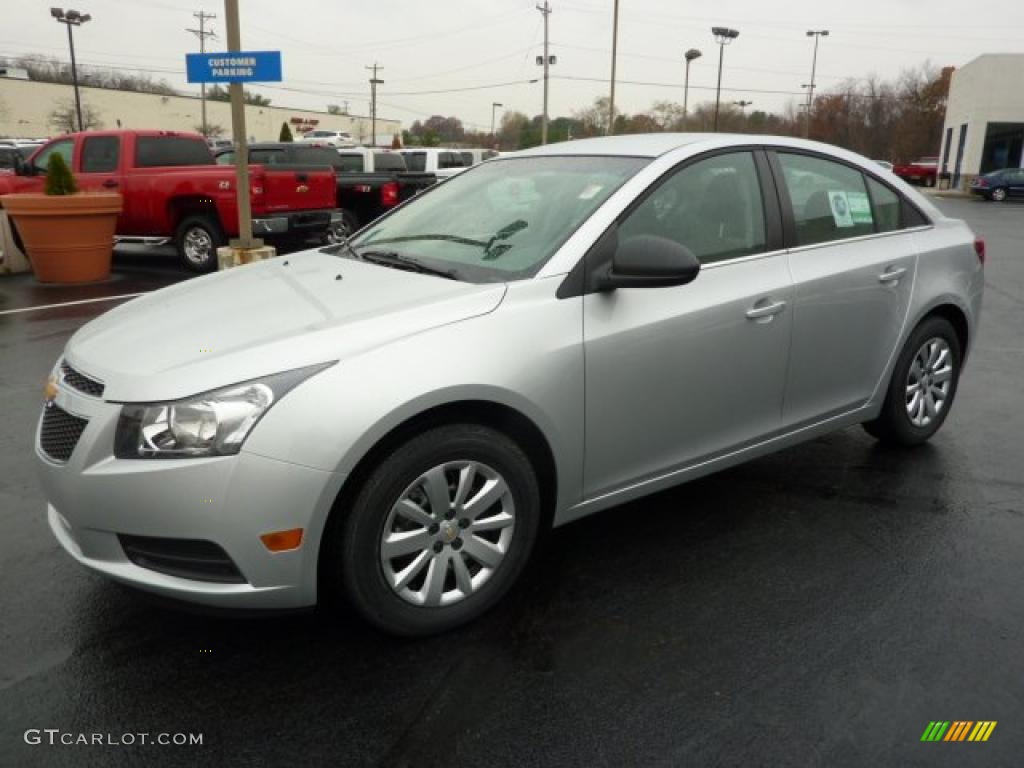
(984, 127)
(25, 108)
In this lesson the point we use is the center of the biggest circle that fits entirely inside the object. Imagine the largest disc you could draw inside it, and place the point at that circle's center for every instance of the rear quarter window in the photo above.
(416, 161)
(388, 161)
(163, 151)
(350, 163)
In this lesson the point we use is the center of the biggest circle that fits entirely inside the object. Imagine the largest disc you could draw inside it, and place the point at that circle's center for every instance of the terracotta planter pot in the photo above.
(70, 238)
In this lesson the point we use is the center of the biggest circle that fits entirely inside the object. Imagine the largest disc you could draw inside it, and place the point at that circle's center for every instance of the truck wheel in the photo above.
(929, 181)
(343, 229)
(197, 240)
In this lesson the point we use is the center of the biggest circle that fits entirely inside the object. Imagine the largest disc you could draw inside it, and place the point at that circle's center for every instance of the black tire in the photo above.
(348, 227)
(929, 181)
(354, 545)
(998, 194)
(894, 425)
(205, 227)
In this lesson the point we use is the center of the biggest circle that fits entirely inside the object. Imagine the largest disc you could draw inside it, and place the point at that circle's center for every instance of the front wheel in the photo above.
(923, 385)
(998, 194)
(440, 530)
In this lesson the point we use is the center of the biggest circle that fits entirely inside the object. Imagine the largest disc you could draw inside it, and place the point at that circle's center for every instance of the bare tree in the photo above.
(64, 119)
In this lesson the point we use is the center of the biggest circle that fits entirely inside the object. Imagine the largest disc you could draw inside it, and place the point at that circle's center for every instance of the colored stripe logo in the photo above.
(958, 730)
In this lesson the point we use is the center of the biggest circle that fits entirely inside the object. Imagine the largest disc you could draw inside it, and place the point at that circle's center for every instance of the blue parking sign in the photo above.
(234, 67)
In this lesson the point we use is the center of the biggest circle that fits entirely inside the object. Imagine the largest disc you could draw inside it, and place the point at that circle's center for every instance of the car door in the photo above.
(1016, 183)
(99, 163)
(853, 262)
(676, 375)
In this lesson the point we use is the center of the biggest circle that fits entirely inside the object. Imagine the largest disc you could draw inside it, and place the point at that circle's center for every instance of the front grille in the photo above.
(193, 559)
(60, 432)
(80, 381)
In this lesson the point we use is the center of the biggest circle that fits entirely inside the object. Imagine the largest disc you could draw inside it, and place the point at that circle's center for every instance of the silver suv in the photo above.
(398, 418)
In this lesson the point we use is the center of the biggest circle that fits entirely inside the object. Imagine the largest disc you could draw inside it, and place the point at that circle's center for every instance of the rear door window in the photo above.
(830, 200)
(100, 154)
(388, 161)
(163, 151)
(887, 206)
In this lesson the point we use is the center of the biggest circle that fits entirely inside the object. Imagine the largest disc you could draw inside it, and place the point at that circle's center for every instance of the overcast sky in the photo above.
(482, 45)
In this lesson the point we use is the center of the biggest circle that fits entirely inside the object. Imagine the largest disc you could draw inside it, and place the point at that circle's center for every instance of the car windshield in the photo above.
(502, 220)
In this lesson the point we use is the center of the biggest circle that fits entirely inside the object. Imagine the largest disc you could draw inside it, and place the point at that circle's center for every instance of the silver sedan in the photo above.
(398, 418)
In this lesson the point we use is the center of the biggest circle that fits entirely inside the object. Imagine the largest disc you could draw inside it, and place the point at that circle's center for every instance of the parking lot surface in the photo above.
(819, 606)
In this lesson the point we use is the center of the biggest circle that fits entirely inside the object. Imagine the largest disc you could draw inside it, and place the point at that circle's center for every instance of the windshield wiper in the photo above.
(335, 248)
(398, 260)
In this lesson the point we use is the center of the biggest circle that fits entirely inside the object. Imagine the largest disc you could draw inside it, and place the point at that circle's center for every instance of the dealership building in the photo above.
(984, 128)
(26, 107)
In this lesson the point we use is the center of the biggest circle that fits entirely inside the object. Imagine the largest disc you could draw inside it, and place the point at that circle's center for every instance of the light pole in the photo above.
(816, 34)
(546, 60)
(615, 49)
(690, 55)
(494, 107)
(72, 19)
(723, 36)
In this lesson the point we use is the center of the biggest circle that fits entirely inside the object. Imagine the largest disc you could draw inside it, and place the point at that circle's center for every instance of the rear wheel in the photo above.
(440, 530)
(342, 229)
(998, 194)
(922, 387)
(929, 181)
(197, 239)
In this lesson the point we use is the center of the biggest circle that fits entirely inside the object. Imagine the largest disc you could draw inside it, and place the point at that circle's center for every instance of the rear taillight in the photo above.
(389, 194)
(981, 182)
(979, 248)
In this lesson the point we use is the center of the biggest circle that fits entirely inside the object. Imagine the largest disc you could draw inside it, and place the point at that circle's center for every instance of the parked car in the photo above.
(21, 142)
(174, 192)
(219, 144)
(1000, 185)
(475, 155)
(13, 157)
(328, 138)
(399, 417)
(923, 171)
(370, 182)
(444, 163)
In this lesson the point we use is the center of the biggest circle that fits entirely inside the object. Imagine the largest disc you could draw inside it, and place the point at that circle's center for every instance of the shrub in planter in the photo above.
(68, 235)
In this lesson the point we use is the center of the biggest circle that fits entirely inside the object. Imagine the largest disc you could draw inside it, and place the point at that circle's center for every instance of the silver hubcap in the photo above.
(447, 533)
(999, 195)
(198, 245)
(929, 381)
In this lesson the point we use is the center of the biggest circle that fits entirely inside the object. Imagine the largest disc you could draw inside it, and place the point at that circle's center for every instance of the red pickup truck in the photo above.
(923, 171)
(174, 191)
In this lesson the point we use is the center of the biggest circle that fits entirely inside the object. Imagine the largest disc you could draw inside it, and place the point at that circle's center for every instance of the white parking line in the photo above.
(72, 303)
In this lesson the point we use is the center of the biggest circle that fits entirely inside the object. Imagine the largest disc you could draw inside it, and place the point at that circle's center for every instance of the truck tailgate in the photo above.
(294, 189)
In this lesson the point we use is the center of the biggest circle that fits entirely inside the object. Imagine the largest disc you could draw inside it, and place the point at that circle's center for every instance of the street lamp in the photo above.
(494, 106)
(723, 36)
(690, 55)
(816, 34)
(71, 19)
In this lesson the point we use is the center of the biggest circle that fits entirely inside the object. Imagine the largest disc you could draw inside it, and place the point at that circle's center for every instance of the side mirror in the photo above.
(21, 166)
(647, 261)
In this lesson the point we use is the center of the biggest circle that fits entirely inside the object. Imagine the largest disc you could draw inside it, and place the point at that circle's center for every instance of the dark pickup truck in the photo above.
(370, 181)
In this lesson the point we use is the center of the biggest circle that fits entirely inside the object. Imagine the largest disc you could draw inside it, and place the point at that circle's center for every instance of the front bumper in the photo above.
(230, 501)
(293, 224)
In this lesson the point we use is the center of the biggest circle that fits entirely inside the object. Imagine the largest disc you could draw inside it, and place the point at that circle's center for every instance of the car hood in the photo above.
(285, 313)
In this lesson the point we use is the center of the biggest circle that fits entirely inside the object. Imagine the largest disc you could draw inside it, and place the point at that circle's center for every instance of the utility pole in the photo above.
(202, 33)
(245, 239)
(816, 34)
(374, 82)
(72, 19)
(743, 105)
(545, 11)
(615, 49)
(494, 108)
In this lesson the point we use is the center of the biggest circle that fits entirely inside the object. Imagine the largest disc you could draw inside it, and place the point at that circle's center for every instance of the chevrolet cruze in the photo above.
(396, 419)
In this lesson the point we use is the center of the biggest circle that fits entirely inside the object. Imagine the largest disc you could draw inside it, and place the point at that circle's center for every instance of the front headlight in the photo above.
(211, 424)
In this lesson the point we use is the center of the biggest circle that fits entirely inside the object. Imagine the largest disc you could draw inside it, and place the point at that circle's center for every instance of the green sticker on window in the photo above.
(860, 207)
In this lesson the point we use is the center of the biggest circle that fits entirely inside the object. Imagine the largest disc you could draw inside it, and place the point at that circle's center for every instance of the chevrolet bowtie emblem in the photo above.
(302, 188)
(50, 390)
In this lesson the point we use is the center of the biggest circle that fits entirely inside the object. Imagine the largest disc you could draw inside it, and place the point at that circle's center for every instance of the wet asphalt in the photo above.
(815, 607)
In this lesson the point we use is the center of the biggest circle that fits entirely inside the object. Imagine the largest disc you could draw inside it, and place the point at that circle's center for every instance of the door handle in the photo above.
(892, 275)
(109, 183)
(765, 312)
(301, 177)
